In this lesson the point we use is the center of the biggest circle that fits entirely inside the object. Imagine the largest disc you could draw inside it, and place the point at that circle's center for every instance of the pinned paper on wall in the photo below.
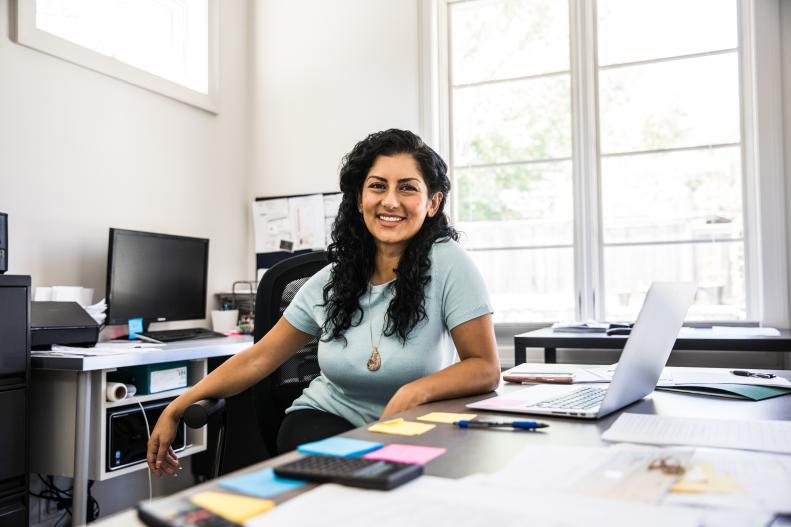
(288, 225)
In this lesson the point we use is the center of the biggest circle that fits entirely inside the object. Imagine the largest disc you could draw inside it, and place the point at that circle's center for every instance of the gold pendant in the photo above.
(374, 361)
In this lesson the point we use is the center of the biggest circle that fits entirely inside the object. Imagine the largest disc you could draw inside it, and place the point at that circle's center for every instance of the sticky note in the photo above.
(413, 454)
(135, 326)
(339, 446)
(400, 427)
(500, 402)
(446, 417)
(232, 507)
(262, 483)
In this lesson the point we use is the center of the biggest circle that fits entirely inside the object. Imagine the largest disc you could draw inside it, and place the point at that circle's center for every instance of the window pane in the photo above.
(529, 284)
(508, 38)
(678, 103)
(168, 38)
(717, 268)
(632, 31)
(512, 121)
(685, 195)
(516, 205)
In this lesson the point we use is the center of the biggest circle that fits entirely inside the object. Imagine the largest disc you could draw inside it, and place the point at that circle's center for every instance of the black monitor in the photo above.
(156, 277)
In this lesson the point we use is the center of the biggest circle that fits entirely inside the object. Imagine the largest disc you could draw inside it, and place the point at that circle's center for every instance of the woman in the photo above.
(397, 291)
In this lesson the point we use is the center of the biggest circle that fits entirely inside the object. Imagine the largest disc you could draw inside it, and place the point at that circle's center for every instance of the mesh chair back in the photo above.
(273, 395)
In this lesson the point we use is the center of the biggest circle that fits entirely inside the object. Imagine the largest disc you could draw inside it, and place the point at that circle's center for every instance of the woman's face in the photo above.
(394, 201)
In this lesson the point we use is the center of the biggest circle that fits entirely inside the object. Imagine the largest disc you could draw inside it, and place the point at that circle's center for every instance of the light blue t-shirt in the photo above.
(455, 294)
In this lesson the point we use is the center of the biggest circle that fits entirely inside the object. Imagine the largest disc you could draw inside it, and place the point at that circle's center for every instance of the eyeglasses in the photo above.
(668, 465)
(746, 373)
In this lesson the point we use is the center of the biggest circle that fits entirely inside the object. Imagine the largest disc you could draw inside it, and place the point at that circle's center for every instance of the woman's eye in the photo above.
(376, 186)
(408, 188)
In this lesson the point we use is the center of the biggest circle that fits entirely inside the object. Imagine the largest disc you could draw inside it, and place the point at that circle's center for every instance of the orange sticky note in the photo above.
(400, 427)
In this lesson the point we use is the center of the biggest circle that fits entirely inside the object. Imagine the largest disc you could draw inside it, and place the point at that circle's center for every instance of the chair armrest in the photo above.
(198, 413)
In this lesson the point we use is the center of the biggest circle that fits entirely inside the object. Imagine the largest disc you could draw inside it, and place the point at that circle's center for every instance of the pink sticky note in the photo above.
(406, 453)
(499, 402)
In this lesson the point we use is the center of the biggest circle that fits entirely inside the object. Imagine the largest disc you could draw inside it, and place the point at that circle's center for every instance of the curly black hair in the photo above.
(353, 250)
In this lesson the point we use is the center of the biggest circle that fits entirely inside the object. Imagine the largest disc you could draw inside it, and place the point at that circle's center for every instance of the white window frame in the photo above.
(25, 32)
(766, 260)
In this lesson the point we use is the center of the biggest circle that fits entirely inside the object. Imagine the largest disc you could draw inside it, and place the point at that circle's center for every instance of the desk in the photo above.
(699, 339)
(59, 382)
(473, 451)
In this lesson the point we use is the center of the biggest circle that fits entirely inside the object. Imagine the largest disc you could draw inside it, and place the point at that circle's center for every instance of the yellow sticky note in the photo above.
(232, 507)
(446, 417)
(400, 427)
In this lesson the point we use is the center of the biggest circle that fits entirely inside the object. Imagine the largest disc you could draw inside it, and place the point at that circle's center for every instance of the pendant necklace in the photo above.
(375, 360)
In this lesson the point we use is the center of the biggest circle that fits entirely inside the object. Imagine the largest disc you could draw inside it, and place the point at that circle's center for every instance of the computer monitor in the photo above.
(156, 277)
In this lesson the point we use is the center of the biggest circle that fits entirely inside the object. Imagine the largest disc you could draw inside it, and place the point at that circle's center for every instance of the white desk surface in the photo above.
(183, 350)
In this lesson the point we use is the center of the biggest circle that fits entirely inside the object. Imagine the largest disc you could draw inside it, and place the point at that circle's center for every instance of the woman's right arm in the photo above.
(235, 375)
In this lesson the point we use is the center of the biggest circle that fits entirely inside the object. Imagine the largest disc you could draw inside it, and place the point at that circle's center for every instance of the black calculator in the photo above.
(351, 471)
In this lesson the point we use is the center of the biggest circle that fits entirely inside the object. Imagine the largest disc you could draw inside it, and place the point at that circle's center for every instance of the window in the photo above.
(598, 146)
(167, 46)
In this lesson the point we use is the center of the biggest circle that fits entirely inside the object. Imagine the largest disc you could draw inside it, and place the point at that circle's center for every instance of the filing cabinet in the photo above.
(14, 399)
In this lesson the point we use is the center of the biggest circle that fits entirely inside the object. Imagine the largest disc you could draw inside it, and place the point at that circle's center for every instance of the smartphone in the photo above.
(540, 377)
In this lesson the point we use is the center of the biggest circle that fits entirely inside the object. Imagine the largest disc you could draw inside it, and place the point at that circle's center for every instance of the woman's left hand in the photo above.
(405, 398)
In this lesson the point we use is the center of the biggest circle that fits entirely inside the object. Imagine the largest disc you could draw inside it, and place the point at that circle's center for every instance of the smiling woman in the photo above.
(401, 312)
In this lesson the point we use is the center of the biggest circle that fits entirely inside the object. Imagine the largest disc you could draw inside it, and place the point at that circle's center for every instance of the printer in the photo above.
(65, 323)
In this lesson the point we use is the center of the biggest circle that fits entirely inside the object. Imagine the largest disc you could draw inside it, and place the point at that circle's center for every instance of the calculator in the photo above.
(351, 471)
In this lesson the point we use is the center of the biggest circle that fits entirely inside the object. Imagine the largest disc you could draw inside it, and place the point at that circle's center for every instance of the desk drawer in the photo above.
(13, 439)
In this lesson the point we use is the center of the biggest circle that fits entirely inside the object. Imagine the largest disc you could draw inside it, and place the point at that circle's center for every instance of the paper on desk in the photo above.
(752, 480)
(104, 348)
(674, 375)
(400, 427)
(745, 332)
(232, 507)
(432, 501)
(735, 479)
(767, 436)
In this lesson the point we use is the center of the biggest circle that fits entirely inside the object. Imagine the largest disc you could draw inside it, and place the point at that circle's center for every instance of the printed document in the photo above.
(767, 436)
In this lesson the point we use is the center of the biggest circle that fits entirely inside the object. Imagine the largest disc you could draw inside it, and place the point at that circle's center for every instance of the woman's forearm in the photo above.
(471, 376)
(246, 368)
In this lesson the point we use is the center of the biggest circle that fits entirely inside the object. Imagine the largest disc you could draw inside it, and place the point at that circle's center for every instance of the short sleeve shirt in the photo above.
(455, 294)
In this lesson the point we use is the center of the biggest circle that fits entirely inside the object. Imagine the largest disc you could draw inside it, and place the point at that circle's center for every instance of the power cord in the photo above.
(63, 499)
(148, 435)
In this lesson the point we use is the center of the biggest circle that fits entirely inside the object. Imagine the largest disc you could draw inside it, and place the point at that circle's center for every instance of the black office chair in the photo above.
(273, 395)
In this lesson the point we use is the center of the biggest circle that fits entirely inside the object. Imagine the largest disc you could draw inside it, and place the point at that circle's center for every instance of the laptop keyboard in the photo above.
(582, 399)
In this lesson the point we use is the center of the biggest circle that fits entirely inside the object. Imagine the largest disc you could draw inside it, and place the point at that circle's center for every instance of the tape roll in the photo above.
(116, 391)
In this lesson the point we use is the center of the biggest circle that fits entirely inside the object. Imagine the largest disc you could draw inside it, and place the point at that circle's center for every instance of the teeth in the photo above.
(390, 218)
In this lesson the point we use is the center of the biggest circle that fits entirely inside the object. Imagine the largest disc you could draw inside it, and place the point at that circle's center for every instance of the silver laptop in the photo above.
(644, 356)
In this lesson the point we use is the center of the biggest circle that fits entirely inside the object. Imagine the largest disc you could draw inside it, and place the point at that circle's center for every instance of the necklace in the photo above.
(375, 360)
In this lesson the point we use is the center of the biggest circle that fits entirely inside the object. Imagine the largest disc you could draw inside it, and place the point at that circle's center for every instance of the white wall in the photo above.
(326, 75)
(81, 152)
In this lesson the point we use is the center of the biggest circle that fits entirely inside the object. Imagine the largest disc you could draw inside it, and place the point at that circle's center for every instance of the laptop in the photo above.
(642, 360)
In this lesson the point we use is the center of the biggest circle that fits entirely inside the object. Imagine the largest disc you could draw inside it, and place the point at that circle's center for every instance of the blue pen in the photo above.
(522, 425)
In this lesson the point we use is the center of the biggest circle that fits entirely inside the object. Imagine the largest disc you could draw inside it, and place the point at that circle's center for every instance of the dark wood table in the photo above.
(703, 339)
(474, 451)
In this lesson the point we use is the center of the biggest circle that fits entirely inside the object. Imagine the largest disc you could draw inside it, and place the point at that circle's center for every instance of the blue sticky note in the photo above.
(261, 484)
(339, 446)
(135, 327)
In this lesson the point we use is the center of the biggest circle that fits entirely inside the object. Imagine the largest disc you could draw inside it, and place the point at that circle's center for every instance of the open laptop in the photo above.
(644, 356)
